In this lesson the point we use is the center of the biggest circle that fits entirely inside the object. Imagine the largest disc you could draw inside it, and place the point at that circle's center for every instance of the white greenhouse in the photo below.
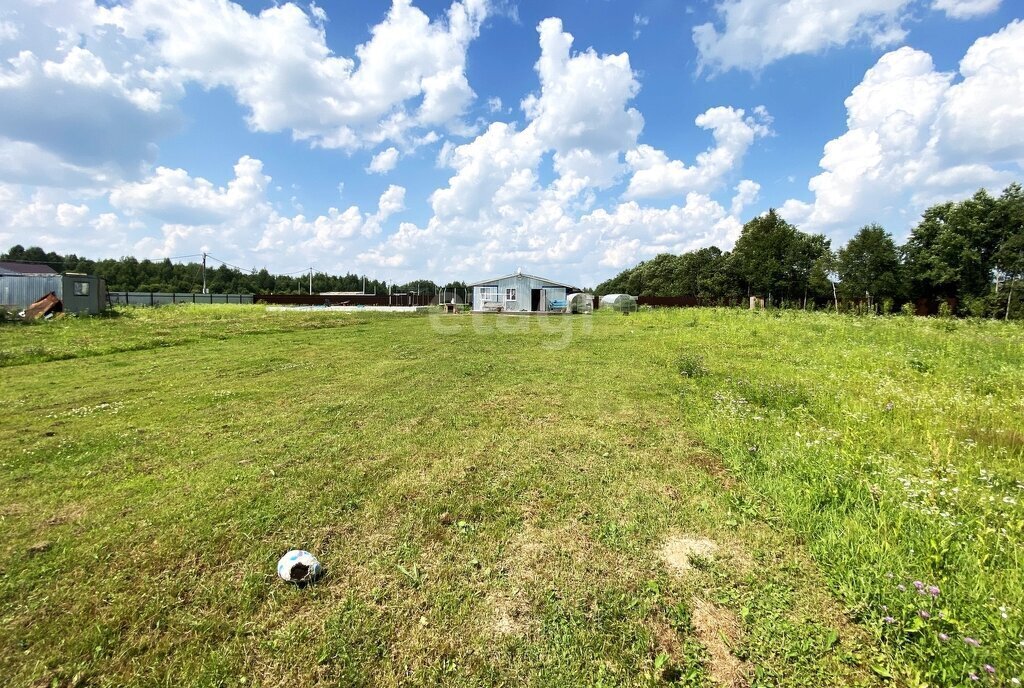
(580, 303)
(619, 302)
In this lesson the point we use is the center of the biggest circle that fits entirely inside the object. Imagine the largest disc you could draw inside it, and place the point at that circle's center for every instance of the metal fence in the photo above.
(159, 298)
(347, 299)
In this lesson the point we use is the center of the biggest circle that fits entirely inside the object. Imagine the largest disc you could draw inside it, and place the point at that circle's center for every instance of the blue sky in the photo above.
(453, 140)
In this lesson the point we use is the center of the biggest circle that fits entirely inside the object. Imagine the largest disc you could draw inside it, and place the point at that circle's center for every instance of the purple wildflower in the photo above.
(973, 677)
(889, 620)
(972, 642)
(943, 637)
(919, 585)
(923, 613)
(989, 669)
(933, 590)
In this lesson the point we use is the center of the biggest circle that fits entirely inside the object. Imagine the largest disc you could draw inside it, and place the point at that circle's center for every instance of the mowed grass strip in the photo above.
(491, 497)
(133, 329)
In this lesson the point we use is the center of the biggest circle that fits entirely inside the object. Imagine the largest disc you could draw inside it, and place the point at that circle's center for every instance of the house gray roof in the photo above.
(521, 274)
(16, 268)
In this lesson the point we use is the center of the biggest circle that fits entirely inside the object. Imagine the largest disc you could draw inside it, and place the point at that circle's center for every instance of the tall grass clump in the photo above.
(896, 449)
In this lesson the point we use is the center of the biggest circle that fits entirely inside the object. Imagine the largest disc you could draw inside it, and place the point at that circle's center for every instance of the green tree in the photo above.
(1009, 257)
(16, 252)
(869, 265)
(773, 258)
(950, 253)
(823, 275)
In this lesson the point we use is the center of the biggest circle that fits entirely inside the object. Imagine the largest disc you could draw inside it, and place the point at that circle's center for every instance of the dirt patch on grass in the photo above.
(39, 547)
(719, 630)
(682, 552)
(11, 510)
(71, 513)
(712, 464)
(509, 615)
(665, 637)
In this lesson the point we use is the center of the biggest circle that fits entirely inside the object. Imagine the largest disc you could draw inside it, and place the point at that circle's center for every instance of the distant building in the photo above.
(78, 293)
(519, 293)
(16, 268)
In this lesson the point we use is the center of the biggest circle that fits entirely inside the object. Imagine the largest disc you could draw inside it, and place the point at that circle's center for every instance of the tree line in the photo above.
(131, 274)
(967, 254)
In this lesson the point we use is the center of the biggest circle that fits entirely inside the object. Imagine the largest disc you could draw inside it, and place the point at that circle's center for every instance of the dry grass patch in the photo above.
(719, 630)
(681, 552)
(666, 640)
(509, 615)
(69, 513)
(684, 552)
(539, 554)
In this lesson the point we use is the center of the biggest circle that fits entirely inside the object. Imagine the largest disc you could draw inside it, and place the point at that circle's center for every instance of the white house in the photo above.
(519, 293)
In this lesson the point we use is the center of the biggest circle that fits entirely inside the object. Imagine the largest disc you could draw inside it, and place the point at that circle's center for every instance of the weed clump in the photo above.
(781, 396)
(692, 366)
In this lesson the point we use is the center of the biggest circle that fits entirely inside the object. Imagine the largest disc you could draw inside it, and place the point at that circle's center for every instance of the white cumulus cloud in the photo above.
(171, 212)
(98, 85)
(966, 9)
(755, 33)
(496, 213)
(384, 162)
(278, 65)
(917, 135)
(655, 175)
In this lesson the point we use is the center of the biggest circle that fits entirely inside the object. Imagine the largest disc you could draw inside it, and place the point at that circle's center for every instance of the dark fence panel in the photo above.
(676, 301)
(931, 306)
(347, 299)
(685, 301)
(158, 298)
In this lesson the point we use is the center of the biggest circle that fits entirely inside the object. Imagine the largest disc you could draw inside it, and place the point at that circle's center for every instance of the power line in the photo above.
(224, 262)
(195, 274)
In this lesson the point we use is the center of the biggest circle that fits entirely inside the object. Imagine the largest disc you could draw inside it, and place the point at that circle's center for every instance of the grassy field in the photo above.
(695, 497)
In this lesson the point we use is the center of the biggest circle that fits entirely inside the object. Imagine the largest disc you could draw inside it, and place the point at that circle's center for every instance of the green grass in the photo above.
(489, 497)
(134, 329)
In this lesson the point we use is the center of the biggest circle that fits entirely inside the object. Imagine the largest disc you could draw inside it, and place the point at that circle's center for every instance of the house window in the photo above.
(488, 294)
(81, 288)
(510, 294)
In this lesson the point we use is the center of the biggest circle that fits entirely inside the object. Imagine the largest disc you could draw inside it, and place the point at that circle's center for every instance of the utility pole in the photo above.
(1009, 298)
(204, 272)
(310, 280)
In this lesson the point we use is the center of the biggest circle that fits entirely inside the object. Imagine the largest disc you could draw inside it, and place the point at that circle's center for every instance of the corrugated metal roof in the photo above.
(15, 268)
(520, 274)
